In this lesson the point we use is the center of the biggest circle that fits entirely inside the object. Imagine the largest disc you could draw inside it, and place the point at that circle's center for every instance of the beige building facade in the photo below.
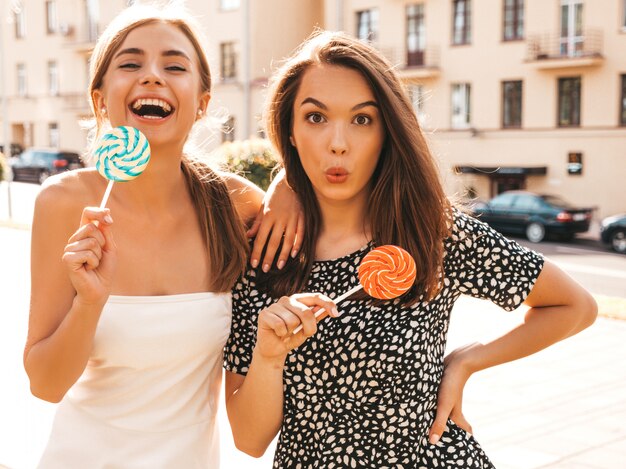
(514, 94)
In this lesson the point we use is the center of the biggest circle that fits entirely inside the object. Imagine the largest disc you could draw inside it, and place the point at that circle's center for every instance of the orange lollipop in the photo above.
(385, 273)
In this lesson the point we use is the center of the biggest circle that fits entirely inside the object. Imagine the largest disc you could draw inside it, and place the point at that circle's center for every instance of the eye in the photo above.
(315, 118)
(362, 120)
(130, 66)
(176, 68)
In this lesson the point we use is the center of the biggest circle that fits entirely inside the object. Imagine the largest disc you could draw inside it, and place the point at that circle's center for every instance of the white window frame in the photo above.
(228, 55)
(230, 5)
(54, 135)
(22, 80)
(20, 22)
(461, 106)
(367, 25)
(416, 94)
(51, 16)
(573, 43)
(53, 78)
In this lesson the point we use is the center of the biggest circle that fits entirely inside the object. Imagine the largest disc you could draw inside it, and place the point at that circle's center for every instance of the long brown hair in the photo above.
(223, 230)
(407, 205)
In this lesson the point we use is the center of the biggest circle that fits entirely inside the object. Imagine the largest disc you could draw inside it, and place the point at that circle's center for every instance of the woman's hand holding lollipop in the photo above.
(90, 254)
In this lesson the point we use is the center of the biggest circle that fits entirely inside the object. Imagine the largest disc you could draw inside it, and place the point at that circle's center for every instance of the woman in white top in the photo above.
(129, 317)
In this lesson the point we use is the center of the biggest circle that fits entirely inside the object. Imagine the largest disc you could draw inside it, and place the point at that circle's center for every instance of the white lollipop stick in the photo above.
(107, 193)
(337, 300)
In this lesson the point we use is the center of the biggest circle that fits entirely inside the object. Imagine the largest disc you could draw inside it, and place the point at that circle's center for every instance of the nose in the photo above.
(339, 142)
(151, 76)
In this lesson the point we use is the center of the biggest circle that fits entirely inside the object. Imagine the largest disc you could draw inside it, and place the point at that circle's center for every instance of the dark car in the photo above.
(38, 164)
(534, 215)
(613, 232)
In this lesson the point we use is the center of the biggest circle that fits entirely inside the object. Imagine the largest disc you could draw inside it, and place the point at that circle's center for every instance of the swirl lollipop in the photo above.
(122, 154)
(384, 273)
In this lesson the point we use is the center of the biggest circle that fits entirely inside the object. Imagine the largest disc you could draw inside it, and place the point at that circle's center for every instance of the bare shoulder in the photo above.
(64, 196)
(246, 196)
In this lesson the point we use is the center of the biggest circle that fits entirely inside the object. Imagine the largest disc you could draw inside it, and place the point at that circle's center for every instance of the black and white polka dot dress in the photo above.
(362, 392)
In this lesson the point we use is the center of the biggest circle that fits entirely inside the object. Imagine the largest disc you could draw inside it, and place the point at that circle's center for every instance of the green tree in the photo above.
(253, 159)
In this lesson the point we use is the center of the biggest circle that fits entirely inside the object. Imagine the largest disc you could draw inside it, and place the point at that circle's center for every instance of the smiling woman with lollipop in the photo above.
(129, 317)
(370, 387)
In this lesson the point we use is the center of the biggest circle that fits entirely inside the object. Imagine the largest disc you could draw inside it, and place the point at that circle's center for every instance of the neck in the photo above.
(345, 227)
(158, 187)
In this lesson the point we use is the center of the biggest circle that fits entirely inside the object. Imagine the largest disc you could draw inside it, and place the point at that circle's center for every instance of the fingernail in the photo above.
(108, 219)
(280, 264)
(335, 312)
(254, 263)
(434, 439)
(266, 267)
(294, 253)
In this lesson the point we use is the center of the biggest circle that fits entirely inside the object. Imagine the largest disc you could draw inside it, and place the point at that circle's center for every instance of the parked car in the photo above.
(613, 232)
(534, 215)
(38, 164)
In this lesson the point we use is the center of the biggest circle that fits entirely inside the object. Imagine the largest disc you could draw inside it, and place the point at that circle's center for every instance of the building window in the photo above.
(53, 134)
(415, 35)
(20, 22)
(228, 61)
(416, 94)
(572, 40)
(92, 9)
(51, 16)
(21, 80)
(569, 102)
(575, 163)
(511, 104)
(367, 25)
(513, 20)
(461, 22)
(461, 106)
(53, 78)
(229, 4)
(623, 14)
(622, 119)
(228, 130)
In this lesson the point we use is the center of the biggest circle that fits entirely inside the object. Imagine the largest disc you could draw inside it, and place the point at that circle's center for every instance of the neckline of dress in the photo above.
(175, 297)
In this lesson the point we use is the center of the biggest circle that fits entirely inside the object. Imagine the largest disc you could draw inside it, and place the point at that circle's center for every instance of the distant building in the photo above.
(515, 94)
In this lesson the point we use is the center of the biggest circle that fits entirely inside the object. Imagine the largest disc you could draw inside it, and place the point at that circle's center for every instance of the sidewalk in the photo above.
(562, 408)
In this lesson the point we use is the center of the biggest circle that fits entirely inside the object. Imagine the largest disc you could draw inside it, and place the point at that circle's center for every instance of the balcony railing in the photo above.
(76, 102)
(542, 47)
(420, 63)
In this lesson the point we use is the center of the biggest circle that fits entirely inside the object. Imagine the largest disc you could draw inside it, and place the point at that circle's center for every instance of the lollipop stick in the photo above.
(107, 193)
(337, 300)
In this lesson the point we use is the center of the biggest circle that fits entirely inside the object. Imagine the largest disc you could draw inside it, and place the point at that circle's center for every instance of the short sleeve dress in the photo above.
(362, 392)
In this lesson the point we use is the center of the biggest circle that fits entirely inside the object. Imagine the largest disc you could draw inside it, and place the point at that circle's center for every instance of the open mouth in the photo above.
(151, 108)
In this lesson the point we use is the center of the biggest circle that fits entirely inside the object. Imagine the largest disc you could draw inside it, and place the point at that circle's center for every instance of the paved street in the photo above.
(563, 408)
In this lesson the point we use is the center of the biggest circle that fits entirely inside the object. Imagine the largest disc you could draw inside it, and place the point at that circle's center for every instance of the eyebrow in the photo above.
(167, 53)
(323, 106)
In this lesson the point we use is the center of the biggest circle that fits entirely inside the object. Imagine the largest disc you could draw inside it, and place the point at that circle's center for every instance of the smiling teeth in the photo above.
(152, 102)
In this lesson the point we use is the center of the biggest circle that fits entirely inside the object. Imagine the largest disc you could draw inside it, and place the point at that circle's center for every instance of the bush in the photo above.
(3, 167)
(253, 159)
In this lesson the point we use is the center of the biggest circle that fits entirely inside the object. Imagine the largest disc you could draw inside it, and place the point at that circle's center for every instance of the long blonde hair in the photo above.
(223, 230)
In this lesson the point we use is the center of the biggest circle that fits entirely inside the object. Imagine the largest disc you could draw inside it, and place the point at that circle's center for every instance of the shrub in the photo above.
(253, 159)
(3, 167)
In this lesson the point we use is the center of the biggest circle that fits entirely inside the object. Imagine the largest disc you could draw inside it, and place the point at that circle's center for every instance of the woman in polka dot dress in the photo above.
(370, 387)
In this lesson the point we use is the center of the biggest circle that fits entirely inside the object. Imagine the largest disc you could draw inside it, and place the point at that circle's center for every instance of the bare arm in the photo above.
(277, 218)
(255, 402)
(70, 282)
(559, 308)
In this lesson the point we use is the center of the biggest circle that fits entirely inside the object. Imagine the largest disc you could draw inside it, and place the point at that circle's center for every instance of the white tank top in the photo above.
(149, 394)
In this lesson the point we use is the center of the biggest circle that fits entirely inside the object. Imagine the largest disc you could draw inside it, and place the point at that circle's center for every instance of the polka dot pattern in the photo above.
(362, 392)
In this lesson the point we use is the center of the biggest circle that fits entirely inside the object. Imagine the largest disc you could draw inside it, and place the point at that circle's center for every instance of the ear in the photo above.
(204, 102)
(98, 100)
(292, 140)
